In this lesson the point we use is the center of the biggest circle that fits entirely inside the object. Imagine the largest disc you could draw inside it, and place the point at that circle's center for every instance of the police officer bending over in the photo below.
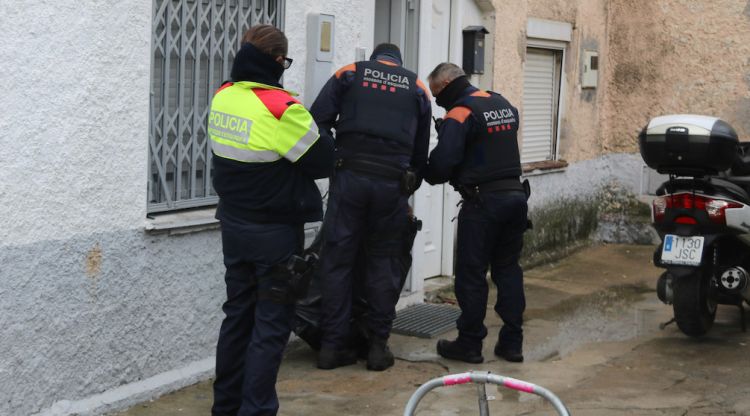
(381, 113)
(477, 152)
(267, 153)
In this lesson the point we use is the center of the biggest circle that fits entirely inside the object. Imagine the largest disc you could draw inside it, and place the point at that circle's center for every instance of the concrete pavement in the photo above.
(591, 336)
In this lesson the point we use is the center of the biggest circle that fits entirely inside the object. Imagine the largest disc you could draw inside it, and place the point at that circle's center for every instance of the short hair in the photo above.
(445, 71)
(268, 39)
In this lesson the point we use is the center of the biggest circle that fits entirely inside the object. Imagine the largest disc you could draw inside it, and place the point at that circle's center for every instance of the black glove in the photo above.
(438, 123)
(410, 182)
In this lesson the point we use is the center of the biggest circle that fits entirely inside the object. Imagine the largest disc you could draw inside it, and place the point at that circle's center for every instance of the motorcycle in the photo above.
(702, 216)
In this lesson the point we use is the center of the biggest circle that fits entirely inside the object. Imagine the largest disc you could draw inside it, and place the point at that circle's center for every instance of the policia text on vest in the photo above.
(229, 127)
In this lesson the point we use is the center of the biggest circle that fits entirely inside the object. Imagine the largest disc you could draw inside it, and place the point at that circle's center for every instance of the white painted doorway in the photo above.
(398, 22)
(425, 30)
(431, 246)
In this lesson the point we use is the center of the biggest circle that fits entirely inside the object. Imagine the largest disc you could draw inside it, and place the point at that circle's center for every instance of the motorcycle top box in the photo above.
(688, 145)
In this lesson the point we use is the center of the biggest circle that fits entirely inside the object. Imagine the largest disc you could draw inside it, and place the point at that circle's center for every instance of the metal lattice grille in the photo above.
(194, 44)
(425, 320)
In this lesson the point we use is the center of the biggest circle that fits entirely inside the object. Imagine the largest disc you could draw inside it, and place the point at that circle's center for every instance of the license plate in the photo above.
(682, 250)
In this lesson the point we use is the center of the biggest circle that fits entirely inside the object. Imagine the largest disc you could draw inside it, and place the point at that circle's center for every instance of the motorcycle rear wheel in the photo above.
(694, 307)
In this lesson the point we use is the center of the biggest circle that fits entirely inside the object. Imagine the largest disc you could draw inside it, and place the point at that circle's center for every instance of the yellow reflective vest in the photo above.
(255, 123)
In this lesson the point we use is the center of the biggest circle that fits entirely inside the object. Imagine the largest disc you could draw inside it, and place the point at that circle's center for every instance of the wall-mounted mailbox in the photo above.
(590, 69)
(473, 62)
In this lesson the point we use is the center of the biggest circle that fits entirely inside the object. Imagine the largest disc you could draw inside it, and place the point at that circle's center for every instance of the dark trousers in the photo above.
(255, 331)
(490, 233)
(370, 213)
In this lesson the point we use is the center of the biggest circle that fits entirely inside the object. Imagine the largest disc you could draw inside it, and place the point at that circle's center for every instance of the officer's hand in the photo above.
(438, 123)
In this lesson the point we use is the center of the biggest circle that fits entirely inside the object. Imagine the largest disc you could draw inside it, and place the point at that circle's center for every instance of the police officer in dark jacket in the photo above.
(267, 153)
(381, 113)
(477, 152)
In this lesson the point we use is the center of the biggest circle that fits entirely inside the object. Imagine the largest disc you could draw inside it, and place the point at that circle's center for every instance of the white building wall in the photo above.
(354, 20)
(96, 313)
(74, 117)
(88, 300)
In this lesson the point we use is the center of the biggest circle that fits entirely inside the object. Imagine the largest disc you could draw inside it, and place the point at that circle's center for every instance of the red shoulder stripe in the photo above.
(459, 114)
(276, 101)
(480, 93)
(226, 84)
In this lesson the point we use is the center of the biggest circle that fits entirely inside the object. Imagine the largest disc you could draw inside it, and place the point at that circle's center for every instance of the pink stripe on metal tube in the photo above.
(452, 380)
(518, 385)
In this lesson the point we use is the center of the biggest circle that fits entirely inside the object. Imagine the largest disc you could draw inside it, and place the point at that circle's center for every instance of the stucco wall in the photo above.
(82, 315)
(88, 300)
(580, 122)
(580, 126)
(75, 117)
(655, 57)
(676, 56)
(353, 28)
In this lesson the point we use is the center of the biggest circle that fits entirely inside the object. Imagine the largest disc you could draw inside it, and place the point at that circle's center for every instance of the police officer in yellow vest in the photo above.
(267, 154)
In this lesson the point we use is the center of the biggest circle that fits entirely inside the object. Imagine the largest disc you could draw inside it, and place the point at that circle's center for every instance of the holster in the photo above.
(290, 281)
(301, 269)
(389, 243)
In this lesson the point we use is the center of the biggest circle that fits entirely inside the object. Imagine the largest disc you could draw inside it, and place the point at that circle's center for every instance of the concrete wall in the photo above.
(581, 115)
(75, 105)
(656, 57)
(88, 300)
(96, 313)
(353, 28)
(676, 56)
(594, 197)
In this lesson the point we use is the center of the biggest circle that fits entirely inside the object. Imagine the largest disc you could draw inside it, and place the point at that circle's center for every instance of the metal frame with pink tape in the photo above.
(481, 378)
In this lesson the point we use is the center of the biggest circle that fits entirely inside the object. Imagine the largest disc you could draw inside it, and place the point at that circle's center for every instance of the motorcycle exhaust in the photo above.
(664, 288)
(735, 279)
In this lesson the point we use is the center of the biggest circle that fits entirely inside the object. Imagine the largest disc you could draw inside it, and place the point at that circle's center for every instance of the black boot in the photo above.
(513, 355)
(329, 359)
(455, 350)
(379, 357)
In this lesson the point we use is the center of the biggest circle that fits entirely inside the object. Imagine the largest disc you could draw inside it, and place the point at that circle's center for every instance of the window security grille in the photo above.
(193, 46)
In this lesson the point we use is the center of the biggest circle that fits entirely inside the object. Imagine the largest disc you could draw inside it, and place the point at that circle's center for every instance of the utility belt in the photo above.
(475, 192)
(469, 192)
(290, 281)
(407, 178)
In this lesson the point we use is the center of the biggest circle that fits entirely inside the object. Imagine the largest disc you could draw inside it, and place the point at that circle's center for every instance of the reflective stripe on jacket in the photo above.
(256, 123)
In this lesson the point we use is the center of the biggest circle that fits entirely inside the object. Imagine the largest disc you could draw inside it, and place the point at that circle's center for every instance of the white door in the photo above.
(428, 201)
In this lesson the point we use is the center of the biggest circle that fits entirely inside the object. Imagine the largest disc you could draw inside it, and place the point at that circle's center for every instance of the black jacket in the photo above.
(465, 154)
(327, 109)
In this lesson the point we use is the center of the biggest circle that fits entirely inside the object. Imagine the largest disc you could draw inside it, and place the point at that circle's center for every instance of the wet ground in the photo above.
(592, 337)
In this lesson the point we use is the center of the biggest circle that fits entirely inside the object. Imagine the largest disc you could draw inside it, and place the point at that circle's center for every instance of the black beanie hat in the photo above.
(387, 49)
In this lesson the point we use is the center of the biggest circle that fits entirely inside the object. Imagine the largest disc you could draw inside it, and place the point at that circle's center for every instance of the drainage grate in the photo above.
(425, 320)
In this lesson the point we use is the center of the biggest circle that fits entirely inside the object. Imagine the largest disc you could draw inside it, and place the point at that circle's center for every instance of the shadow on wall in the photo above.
(611, 215)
